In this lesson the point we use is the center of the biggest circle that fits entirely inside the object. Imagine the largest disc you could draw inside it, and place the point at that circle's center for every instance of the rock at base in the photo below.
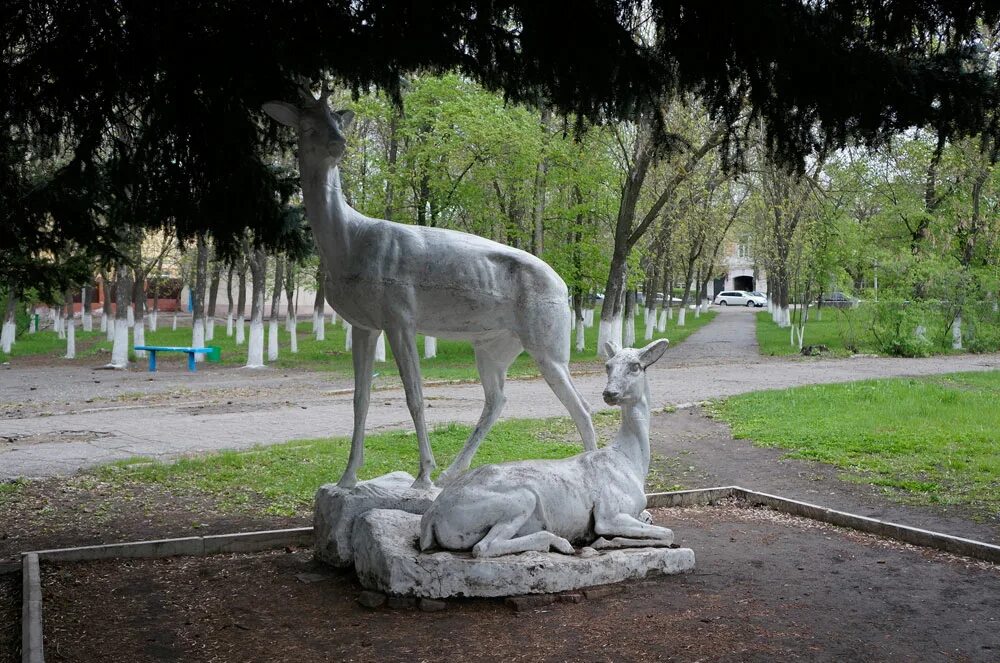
(337, 509)
(387, 559)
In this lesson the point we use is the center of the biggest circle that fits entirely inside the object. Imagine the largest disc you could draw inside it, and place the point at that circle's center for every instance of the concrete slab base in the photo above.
(387, 559)
(337, 509)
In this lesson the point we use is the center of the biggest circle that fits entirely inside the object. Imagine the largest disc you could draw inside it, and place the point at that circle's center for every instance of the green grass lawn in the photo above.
(934, 439)
(835, 328)
(287, 475)
(454, 360)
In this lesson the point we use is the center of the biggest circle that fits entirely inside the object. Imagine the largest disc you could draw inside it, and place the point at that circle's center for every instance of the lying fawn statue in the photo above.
(542, 504)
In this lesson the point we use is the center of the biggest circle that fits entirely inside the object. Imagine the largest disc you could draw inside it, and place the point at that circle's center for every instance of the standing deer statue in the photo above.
(407, 280)
(540, 504)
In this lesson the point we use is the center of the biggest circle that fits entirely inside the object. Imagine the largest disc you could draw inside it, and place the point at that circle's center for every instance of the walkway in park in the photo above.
(234, 408)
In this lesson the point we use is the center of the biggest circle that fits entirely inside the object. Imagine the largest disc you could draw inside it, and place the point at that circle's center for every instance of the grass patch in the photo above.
(454, 361)
(930, 440)
(287, 475)
(837, 329)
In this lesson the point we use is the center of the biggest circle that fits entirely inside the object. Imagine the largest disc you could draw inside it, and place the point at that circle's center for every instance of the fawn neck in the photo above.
(633, 433)
(330, 217)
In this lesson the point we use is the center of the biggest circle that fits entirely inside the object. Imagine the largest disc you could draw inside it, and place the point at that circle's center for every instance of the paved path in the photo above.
(718, 360)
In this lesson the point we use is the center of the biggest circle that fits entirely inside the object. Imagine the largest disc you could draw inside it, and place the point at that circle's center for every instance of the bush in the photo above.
(895, 328)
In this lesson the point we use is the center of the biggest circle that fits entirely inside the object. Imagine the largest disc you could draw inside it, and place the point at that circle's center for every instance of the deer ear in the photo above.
(611, 349)
(284, 113)
(346, 117)
(652, 352)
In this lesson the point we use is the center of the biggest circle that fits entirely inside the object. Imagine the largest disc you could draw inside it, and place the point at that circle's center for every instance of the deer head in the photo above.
(321, 131)
(627, 371)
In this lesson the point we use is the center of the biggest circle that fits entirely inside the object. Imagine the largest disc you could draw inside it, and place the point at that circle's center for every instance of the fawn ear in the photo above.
(649, 354)
(346, 118)
(611, 349)
(284, 113)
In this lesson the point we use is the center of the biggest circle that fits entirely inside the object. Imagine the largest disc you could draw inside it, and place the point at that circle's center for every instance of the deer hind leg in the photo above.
(493, 358)
(502, 538)
(404, 348)
(363, 356)
(557, 376)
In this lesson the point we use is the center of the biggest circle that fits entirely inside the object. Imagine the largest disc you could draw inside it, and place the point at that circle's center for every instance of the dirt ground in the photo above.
(767, 587)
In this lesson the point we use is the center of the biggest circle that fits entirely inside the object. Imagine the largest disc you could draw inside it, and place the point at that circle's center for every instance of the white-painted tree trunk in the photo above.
(255, 348)
(131, 316)
(697, 310)
(108, 326)
(7, 336)
(581, 334)
(321, 328)
(956, 333)
(920, 332)
(240, 330)
(198, 337)
(71, 338)
(661, 324)
(104, 322)
(670, 316)
(588, 318)
(272, 340)
(681, 314)
(380, 348)
(333, 316)
(59, 326)
(173, 325)
(139, 337)
(87, 321)
(154, 320)
(348, 340)
(229, 325)
(344, 323)
(209, 328)
(293, 335)
(430, 347)
(315, 323)
(650, 326)
(33, 323)
(609, 330)
(784, 317)
(119, 350)
(628, 338)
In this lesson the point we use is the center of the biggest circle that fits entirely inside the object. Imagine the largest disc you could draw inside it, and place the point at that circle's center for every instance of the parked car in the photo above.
(838, 300)
(740, 298)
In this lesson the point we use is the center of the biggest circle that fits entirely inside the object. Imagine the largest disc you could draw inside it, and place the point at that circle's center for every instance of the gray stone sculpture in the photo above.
(536, 505)
(409, 279)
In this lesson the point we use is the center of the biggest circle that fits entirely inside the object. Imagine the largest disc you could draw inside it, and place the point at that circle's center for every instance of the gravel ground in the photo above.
(55, 420)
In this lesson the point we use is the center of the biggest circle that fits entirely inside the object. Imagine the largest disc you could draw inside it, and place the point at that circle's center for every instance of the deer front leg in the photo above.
(629, 531)
(363, 356)
(404, 348)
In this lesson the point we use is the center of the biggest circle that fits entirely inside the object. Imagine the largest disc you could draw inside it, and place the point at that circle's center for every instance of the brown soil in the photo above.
(10, 617)
(767, 587)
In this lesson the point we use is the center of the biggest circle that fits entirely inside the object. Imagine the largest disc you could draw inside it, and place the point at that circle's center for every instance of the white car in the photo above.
(740, 298)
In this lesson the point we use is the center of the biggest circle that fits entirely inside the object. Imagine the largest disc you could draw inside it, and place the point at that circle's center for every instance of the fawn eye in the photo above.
(636, 368)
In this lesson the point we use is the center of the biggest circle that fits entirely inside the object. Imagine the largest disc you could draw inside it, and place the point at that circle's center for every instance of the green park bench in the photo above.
(212, 353)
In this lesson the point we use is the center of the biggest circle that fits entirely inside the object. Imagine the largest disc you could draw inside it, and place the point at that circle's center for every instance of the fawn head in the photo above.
(627, 371)
(321, 130)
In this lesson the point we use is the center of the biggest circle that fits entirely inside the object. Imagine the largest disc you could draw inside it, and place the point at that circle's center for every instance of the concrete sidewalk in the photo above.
(699, 369)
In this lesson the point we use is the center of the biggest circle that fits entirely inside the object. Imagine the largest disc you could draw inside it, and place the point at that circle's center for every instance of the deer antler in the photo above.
(326, 91)
(304, 88)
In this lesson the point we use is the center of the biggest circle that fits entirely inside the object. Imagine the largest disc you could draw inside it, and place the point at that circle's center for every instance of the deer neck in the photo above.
(330, 217)
(633, 433)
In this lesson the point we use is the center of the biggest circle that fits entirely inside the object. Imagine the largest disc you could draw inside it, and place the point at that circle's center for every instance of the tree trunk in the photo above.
(139, 311)
(229, 298)
(198, 298)
(213, 298)
(581, 330)
(119, 349)
(291, 317)
(628, 339)
(106, 326)
(241, 302)
(255, 348)
(86, 319)
(9, 322)
(70, 326)
(319, 324)
(272, 337)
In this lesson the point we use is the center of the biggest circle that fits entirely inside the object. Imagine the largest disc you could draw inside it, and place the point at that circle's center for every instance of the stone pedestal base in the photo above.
(387, 558)
(338, 508)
